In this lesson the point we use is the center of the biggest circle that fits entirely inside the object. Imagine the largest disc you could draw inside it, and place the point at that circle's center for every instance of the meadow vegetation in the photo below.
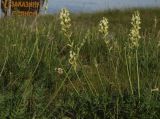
(103, 65)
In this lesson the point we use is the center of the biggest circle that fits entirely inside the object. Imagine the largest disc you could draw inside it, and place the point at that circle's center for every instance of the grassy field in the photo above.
(41, 78)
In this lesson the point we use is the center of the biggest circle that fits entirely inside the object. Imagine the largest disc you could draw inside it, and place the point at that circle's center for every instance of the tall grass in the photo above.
(47, 72)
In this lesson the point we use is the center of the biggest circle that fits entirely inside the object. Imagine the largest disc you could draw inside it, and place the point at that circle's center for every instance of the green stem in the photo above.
(100, 79)
(89, 83)
(80, 80)
(5, 62)
(57, 91)
(128, 73)
(138, 79)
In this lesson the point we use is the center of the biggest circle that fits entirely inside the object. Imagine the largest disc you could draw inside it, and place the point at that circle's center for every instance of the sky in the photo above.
(94, 5)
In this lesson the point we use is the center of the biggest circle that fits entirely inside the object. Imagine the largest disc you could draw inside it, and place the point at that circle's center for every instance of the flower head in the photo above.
(46, 6)
(65, 22)
(103, 27)
(73, 59)
(134, 35)
(60, 71)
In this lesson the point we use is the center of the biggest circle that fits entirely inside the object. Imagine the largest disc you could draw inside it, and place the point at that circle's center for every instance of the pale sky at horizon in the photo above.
(94, 5)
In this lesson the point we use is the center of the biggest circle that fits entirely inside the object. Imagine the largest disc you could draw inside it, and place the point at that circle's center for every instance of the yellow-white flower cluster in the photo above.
(46, 6)
(134, 35)
(60, 71)
(74, 53)
(65, 22)
(73, 59)
(103, 27)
